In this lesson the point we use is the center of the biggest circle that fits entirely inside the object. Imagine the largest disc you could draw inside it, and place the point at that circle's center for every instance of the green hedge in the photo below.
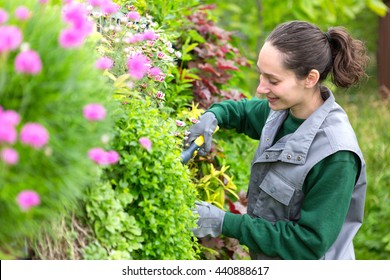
(145, 210)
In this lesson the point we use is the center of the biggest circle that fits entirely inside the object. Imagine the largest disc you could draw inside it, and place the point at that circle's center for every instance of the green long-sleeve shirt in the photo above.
(327, 188)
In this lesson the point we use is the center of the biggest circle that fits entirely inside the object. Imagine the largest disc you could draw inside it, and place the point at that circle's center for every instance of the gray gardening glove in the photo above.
(210, 220)
(206, 127)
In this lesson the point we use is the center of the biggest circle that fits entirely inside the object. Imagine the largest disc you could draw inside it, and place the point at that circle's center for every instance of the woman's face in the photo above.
(280, 85)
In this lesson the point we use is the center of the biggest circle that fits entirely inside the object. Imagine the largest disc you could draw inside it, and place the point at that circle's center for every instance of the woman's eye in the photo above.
(273, 82)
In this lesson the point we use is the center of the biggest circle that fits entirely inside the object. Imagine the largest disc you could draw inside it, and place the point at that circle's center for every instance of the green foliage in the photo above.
(142, 208)
(214, 184)
(238, 150)
(370, 118)
(165, 12)
(117, 233)
(54, 98)
(152, 189)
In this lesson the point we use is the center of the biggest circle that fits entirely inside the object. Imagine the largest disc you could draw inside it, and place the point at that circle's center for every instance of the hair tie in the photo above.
(327, 35)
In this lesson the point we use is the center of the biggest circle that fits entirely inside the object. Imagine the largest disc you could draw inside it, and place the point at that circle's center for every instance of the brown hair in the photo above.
(306, 47)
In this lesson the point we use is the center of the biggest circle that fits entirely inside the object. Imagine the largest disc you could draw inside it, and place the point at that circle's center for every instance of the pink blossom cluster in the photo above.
(10, 38)
(22, 13)
(148, 35)
(94, 112)
(9, 155)
(101, 157)
(142, 47)
(27, 199)
(180, 123)
(138, 65)
(79, 26)
(31, 134)
(133, 15)
(3, 16)
(145, 143)
(9, 119)
(104, 63)
(34, 135)
(160, 95)
(27, 61)
(106, 6)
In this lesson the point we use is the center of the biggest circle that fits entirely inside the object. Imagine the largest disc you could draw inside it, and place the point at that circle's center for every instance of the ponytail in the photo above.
(349, 58)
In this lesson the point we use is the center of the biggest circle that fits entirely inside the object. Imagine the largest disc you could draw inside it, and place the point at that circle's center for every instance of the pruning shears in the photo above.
(186, 155)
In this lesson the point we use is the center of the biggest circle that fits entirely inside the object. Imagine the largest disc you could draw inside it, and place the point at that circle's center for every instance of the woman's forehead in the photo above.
(270, 61)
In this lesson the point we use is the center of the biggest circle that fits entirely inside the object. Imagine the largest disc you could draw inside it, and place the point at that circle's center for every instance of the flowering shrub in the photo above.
(142, 210)
(48, 121)
(149, 188)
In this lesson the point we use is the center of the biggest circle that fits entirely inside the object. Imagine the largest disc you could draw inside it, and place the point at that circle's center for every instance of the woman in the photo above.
(307, 185)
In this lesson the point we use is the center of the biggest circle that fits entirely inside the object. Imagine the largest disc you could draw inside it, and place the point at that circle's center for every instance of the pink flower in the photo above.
(160, 55)
(8, 133)
(71, 38)
(75, 14)
(94, 3)
(108, 7)
(94, 112)
(180, 123)
(10, 38)
(101, 157)
(159, 78)
(9, 117)
(86, 28)
(193, 120)
(138, 65)
(9, 156)
(135, 38)
(34, 134)
(133, 15)
(149, 35)
(3, 16)
(28, 62)
(160, 95)
(155, 71)
(104, 63)
(43, 1)
(22, 13)
(98, 155)
(112, 157)
(146, 143)
(27, 199)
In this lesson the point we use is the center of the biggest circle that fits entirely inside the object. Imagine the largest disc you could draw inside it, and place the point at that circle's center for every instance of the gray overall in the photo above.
(279, 171)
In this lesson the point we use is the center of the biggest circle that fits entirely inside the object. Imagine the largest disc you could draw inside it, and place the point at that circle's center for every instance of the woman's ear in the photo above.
(312, 78)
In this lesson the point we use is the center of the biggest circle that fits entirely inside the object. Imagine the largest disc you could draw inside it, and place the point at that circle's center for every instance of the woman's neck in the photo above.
(311, 104)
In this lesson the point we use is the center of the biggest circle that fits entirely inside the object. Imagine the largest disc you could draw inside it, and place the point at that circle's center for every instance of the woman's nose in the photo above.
(262, 87)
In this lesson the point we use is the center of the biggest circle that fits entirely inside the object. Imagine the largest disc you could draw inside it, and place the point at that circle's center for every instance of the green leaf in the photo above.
(377, 7)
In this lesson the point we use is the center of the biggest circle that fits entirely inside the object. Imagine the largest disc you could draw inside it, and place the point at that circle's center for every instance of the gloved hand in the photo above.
(206, 127)
(210, 220)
